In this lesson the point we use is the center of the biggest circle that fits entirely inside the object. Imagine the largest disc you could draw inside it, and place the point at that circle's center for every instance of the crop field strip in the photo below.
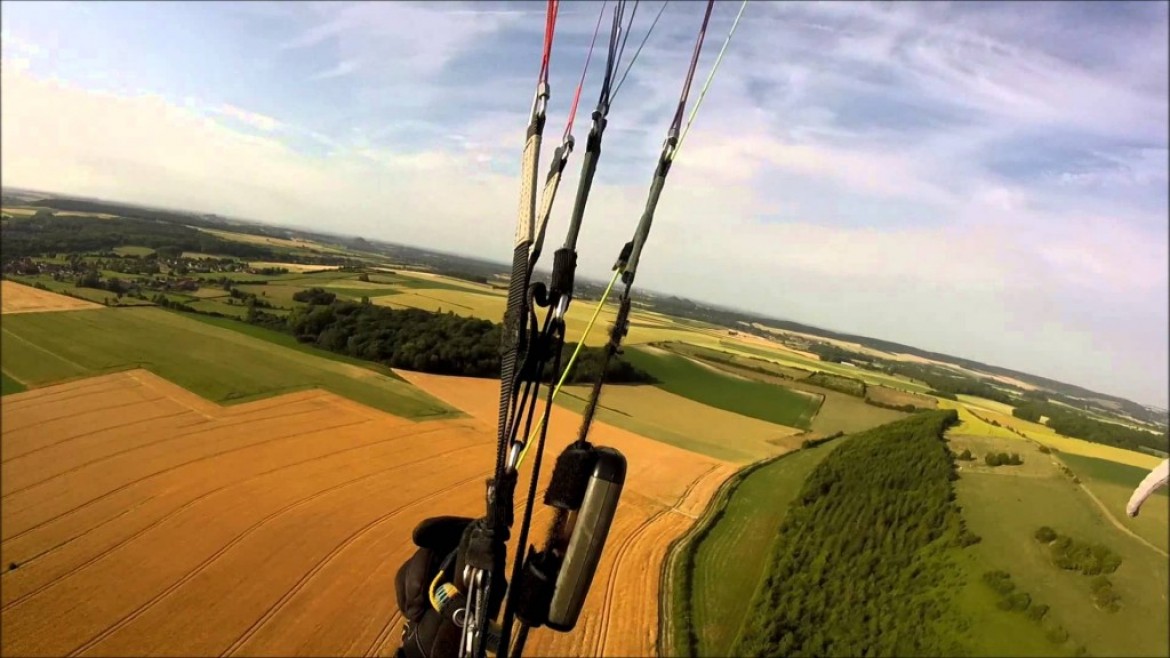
(755, 399)
(221, 364)
(175, 498)
(17, 298)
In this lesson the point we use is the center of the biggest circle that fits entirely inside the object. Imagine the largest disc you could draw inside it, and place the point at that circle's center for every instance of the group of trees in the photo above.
(994, 459)
(1074, 555)
(1072, 423)
(861, 562)
(1012, 599)
(414, 339)
(1089, 559)
(846, 385)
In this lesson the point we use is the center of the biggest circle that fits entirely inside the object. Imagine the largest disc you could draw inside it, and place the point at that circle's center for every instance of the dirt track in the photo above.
(19, 298)
(146, 521)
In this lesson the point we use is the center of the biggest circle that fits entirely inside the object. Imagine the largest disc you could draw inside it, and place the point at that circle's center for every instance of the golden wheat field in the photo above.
(140, 519)
(17, 298)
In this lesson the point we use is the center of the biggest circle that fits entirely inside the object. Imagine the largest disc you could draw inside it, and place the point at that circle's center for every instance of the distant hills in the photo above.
(487, 268)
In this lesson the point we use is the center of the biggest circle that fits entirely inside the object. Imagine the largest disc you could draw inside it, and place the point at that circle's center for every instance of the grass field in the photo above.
(216, 363)
(1005, 510)
(839, 412)
(132, 250)
(658, 414)
(10, 385)
(755, 399)
(729, 559)
(1006, 505)
(1113, 484)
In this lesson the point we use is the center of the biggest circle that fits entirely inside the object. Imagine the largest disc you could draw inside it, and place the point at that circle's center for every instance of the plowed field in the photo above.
(144, 520)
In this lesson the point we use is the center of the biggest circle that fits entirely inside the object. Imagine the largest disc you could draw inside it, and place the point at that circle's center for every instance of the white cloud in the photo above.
(253, 119)
(790, 196)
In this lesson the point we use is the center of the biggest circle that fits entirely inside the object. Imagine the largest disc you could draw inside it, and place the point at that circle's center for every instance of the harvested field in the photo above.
(145, 520)
(19, 298)
(294, 267)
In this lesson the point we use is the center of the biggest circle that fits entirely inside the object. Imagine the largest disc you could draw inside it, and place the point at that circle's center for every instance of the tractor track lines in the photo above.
(337, 550)
(98, 460)
(384, 635)
(175, 512)
(9, 458)
(627, 543)
(73, 414)
(175, 467)
(29, 560)
(202, 566)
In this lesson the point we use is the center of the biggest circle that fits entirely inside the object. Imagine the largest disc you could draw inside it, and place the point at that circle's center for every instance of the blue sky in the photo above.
(984, 179)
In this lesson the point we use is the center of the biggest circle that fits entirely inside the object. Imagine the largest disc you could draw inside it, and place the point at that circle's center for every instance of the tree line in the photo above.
(944, 383)
(861, 562)
(1077, 425)
(414, 339)
(44, 233)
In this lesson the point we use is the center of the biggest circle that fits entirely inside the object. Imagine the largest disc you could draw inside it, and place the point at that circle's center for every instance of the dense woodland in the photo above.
(414, 339)
(44, 233)
(1071, 423)
(861, 562)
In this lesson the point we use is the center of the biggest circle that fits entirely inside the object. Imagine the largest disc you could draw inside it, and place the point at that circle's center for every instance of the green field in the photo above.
(10, 385)
(730, 557)
(219, 364)
(839, 412)
(1113, 484)
(682, 376)
(1005, 510)
(657, 414)
(131, 250)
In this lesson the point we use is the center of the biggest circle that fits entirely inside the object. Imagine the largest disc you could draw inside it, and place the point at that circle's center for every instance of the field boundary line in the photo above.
(15, 378)
(41, 349)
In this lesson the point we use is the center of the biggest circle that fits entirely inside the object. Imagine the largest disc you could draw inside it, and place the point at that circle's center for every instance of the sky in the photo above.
(987, 180)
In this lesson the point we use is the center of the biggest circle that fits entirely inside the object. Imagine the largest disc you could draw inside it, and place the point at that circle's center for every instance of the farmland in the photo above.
(216, 363)
(723, 559)
(150, 458)
(655, 413)
(15, 298)
(689, 379)
(173, 498)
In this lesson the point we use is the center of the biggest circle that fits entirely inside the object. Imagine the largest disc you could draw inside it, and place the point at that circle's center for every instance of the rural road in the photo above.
(1118, 524)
